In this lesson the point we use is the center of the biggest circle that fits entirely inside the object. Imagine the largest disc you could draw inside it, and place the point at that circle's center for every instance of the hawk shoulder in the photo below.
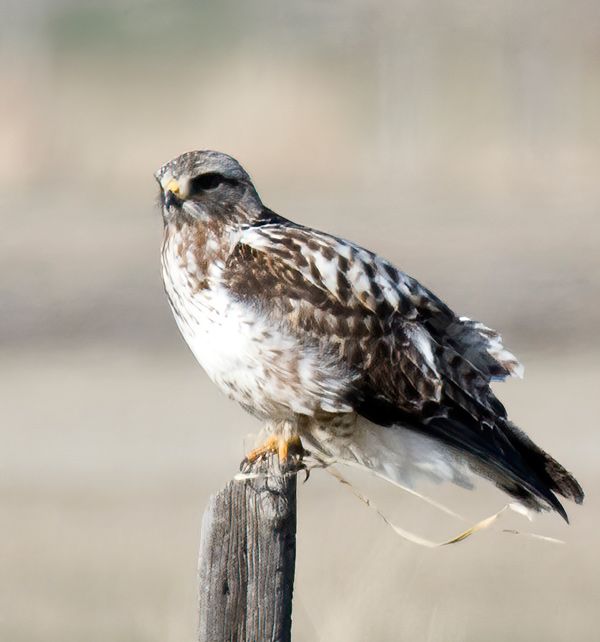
(405, 348)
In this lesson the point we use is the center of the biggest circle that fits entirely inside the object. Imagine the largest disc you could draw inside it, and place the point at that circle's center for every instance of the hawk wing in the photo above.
(412, 361)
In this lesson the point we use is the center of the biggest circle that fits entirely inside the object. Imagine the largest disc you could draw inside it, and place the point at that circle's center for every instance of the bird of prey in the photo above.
(330, 344)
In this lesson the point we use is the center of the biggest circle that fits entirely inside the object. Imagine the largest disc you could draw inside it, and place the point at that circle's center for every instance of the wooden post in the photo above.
(247, 558)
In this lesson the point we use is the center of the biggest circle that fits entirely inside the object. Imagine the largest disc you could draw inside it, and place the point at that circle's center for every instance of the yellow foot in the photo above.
(284, 446)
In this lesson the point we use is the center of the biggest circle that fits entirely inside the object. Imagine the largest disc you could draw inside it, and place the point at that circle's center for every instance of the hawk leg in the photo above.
(283, 444)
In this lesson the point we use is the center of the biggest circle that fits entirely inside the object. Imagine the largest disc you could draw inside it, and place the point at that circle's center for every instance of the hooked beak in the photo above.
(172, 194)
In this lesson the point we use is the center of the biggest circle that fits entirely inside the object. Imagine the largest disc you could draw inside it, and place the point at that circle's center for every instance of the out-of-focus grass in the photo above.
(108, 462)
(459, 140)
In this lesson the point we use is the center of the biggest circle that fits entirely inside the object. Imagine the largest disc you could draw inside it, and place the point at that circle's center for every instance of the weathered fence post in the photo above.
(247, 557)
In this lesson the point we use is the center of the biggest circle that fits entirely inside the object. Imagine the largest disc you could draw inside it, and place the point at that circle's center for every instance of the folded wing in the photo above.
(412, 362)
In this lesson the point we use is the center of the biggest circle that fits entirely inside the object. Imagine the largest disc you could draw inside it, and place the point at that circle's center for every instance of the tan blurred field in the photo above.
(105, 481)
(460, 140)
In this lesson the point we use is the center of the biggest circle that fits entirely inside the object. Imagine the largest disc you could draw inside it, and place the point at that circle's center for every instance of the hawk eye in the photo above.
(206, 182)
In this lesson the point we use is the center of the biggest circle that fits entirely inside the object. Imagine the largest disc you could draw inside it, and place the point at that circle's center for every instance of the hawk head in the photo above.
(201, 185)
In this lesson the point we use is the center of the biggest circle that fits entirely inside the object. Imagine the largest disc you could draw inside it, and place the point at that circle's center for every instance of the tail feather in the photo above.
(507, 456)
(443, 449)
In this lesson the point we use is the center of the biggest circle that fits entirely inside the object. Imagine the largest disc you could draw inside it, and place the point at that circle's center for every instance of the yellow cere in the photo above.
(173, 186)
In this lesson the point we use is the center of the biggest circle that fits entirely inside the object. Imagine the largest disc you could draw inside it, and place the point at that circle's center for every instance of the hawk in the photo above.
(330, 344)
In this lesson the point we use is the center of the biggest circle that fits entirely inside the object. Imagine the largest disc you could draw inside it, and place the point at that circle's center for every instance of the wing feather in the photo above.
(413, 362)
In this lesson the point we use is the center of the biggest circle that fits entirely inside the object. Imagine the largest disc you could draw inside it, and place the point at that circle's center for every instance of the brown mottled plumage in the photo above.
(318, 336)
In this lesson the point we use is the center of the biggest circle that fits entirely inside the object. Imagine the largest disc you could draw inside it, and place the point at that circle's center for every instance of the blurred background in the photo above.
(460, 139)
